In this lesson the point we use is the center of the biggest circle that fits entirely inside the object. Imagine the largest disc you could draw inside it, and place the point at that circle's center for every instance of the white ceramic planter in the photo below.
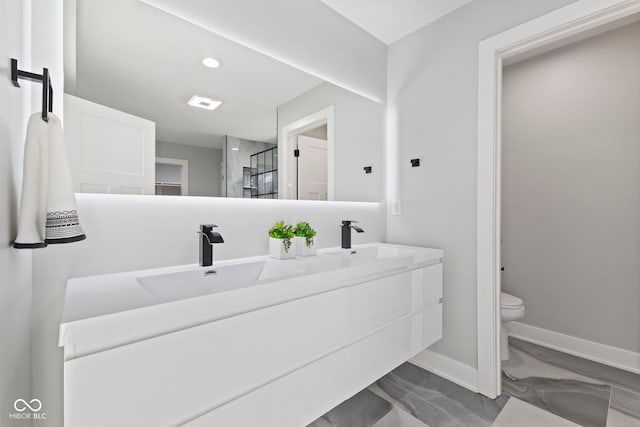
(302, 249)
(278, 251)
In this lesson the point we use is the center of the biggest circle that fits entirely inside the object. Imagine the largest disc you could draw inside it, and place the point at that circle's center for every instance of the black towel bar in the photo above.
(47, 88)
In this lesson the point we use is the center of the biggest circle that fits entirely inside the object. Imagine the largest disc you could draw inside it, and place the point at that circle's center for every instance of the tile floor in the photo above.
(541, 388)
(436, 401)
(585, 392)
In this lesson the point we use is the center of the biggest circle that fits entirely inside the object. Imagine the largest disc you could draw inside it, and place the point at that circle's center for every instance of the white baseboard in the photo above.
(605, 354)
(451, 369)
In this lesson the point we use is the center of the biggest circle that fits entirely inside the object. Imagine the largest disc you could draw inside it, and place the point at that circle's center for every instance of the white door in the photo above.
(312, 168)
(109, 151)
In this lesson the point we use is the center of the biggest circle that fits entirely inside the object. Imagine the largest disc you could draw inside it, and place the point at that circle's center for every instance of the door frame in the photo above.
(287, 142)
(546, 32)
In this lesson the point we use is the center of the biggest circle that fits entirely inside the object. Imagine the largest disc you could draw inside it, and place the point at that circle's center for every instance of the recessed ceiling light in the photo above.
(204, 102)
(211, 62)
(235, 149)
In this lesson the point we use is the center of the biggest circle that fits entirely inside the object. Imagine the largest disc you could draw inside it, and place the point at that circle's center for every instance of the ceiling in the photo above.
(138, 59)
(391, 20)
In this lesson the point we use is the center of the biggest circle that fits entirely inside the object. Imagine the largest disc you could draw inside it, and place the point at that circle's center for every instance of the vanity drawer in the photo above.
(167, 379)
(375, 303)
(378, 354)
(291, 401)
(431, 327)
(427, 286)
(381, 301)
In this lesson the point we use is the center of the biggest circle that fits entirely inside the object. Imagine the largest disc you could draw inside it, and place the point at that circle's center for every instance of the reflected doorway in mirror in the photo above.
(312, 177)
(311, 170)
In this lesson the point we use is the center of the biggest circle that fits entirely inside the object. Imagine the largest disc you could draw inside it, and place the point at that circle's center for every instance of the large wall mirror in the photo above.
(145, 113)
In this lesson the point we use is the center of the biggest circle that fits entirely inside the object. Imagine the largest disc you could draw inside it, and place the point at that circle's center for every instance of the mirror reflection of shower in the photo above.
(250, 169)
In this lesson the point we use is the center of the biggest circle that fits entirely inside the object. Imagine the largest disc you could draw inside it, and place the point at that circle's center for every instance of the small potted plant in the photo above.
(304, 236)
(280, 241)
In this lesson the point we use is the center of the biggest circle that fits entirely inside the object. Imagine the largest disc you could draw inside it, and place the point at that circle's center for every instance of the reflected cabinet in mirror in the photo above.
(157, 105)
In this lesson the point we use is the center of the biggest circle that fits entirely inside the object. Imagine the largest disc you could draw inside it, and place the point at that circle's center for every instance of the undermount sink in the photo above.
(209, 280)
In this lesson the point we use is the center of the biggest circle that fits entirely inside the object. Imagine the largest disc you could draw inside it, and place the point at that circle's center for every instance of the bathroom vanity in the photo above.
(250, 342)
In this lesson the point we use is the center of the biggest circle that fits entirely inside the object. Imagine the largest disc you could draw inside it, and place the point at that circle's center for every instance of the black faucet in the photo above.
(346, 233)
(208, 238)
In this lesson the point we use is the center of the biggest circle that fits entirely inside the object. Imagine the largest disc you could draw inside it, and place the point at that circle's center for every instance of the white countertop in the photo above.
(107, 311)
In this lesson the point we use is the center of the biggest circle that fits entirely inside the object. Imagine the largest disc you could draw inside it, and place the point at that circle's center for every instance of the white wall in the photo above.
(29, 32)
(15, 265)
(571, 180)
(359, 138)
(204, 166)
(127, 233)
(306, 34)
(47, 51)
(432, 114)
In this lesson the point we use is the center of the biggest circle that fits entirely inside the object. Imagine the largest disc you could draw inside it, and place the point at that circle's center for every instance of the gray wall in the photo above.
(432, 114)
(204, 166)
(15, 266)
(571, 176)
(359, 138)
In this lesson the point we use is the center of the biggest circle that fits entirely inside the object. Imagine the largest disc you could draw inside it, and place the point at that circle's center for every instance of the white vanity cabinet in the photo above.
(391, 320)
(282, 363)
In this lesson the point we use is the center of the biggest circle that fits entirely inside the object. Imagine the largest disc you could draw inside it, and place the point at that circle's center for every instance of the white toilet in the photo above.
(511, 308)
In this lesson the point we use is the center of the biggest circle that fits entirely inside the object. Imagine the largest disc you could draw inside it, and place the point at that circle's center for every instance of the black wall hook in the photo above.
(47, 88)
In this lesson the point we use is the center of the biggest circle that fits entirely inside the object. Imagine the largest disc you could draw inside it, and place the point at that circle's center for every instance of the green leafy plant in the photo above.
(303, 229)
(283, 231)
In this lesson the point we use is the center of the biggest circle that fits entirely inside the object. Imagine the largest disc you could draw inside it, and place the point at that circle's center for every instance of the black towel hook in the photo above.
(47, 88)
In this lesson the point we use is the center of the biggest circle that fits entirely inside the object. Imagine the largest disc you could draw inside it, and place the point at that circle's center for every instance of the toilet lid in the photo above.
(507, 300)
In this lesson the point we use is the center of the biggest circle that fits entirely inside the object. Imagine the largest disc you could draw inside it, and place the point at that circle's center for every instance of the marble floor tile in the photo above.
(362, 410)
(437, 401)
(618, 419)
(532, 360)
(399, 418)
(523, 365)
(517, 413)
(320, 422)
(380, 392)
(583, 403)
(606, 374)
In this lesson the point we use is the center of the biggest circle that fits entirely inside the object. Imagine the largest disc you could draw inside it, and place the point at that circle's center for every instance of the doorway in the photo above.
(563, 26)
(311, 168)
(307, 157)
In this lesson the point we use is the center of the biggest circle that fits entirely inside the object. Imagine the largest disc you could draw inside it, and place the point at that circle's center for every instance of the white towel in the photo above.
(48, 212)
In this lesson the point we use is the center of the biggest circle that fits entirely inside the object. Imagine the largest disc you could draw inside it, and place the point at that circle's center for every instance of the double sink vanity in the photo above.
(247, 342)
